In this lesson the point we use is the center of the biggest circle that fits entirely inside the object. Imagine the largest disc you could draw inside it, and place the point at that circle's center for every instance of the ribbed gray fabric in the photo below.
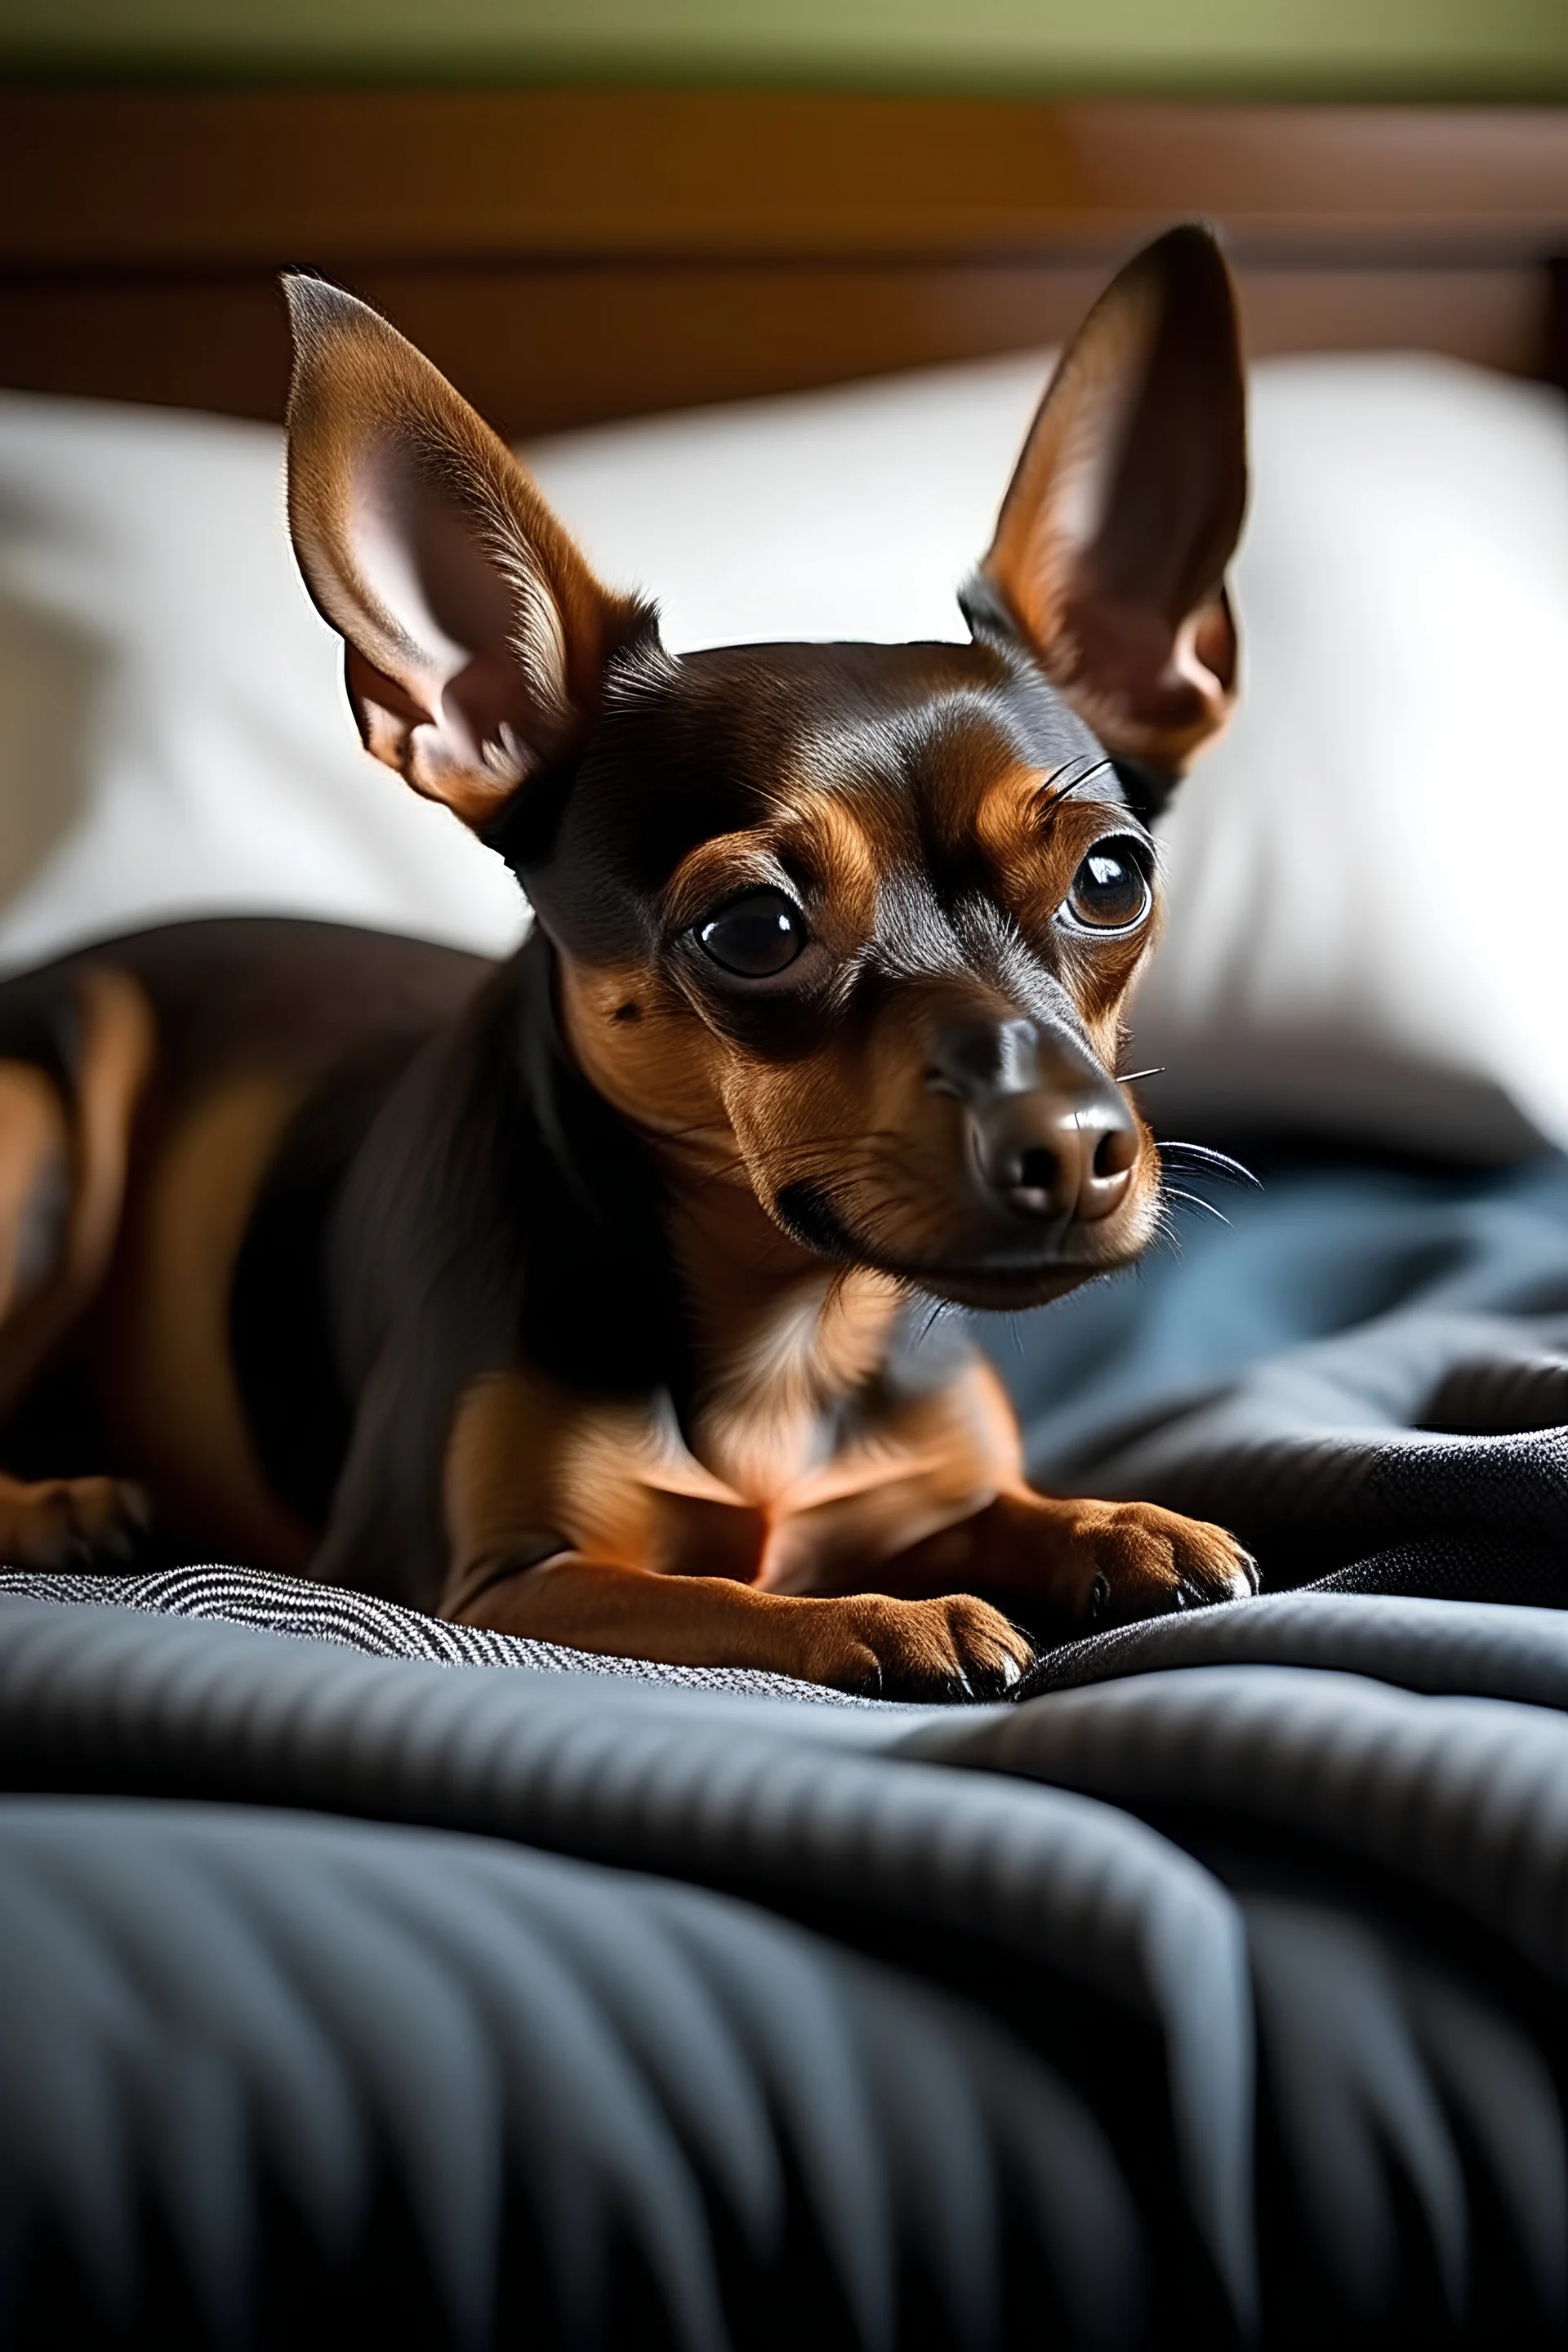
(1409, 2171)
(1486, 1649)
(296, 1606)
(1363, 1358)
(1387, 2077)
(1464, 1798)
(785, 1803)
(193, 1998)
(1220, 1980)
(1331, 1437)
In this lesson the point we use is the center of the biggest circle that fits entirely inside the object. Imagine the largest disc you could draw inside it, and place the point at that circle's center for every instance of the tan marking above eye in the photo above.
(719, 870)
(1034, 846)
(818, 837)
(830, 841)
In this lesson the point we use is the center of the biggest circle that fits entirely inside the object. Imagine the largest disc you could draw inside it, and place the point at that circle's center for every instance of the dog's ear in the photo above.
(1112, 545)
(475, 631)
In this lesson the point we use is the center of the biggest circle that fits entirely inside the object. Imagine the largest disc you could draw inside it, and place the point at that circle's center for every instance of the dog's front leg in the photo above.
(1076, 1563)
(936, 1501)
(580, 1523)
(948, 1647)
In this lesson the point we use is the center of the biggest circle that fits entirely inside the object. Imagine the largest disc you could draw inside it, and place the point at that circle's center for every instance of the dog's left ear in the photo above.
(1112, 545)
(475, 634)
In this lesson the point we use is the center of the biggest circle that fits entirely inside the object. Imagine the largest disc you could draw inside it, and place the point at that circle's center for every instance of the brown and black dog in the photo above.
(569, 1297)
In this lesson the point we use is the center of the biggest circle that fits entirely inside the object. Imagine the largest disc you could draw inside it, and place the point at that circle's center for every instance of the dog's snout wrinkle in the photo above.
(1017, 1052)
(976, 1058)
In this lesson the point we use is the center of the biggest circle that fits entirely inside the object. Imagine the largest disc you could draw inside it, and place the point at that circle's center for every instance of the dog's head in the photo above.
(853, 925)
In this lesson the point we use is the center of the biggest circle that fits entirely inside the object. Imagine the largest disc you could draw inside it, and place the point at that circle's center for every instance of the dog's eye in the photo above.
(755, 936)
(1110, 890)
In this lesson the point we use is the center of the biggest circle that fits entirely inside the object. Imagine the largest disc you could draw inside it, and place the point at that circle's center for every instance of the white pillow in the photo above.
(1367, 924)
(1342, 948)
(174, 734)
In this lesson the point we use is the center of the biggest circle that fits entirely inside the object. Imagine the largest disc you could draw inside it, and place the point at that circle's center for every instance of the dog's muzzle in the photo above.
(1050, 1140)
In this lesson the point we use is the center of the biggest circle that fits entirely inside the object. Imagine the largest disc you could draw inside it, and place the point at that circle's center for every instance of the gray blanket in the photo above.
(1213, 1994)
(1358, 1360)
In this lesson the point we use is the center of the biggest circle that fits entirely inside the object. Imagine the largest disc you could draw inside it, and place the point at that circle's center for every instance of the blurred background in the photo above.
(1279, 47)
(769, 289)
(593, 207)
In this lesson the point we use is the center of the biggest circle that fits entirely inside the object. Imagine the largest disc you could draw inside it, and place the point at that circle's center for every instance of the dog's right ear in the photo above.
(1110, 549)
(475, 634)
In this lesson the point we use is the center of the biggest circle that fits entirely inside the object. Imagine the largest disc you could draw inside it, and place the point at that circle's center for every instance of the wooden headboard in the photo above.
(572, 255)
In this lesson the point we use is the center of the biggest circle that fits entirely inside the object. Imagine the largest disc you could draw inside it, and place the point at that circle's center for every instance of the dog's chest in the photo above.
(734, 1496)
(759, 1450)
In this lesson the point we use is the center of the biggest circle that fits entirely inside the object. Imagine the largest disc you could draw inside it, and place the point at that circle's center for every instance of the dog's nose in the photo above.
(1051, 1155)
(1050, 1135)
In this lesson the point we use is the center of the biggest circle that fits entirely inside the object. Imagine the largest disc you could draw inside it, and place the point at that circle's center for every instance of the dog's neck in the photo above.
(778, 1337)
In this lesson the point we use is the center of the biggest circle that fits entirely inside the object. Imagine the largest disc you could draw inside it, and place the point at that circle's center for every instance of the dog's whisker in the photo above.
(1056, 792)
(929, 1321)
(1193, 1202)
(1165, 1233)
(1131, 1077)
(1199, 1158)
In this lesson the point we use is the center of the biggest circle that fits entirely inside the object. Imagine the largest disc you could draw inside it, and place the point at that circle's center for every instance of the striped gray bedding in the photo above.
(393, 1981)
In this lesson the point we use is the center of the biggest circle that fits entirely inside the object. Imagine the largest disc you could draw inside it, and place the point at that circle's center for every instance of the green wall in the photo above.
(1506, 49)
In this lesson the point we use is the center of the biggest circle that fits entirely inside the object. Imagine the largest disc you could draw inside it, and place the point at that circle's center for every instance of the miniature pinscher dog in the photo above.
(573, 1296)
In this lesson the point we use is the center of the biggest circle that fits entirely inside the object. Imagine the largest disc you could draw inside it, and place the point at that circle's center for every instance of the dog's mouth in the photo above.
(1019, 1273)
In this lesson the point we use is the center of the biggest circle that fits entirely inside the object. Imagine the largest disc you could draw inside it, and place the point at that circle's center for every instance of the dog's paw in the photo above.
(71, 1523)
(952, 1648)
(1134, 1560)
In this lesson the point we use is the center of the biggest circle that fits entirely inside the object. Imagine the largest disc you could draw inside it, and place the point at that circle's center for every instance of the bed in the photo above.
(359, 1974)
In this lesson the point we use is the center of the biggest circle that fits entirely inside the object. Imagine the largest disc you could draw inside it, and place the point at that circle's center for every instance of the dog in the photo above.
(576, 1297)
